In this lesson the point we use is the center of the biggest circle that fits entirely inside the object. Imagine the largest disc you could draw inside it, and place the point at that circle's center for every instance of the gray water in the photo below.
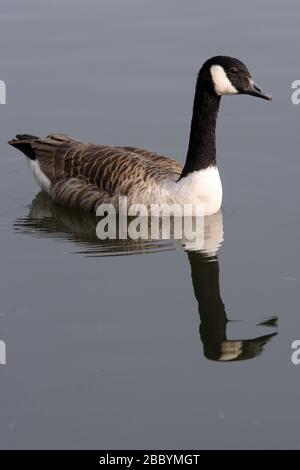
(103, 347)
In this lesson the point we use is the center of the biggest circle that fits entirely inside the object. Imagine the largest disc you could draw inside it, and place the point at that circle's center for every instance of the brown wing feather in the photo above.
(77, 194)
(164, 161)
(83, 175)
(111, 169)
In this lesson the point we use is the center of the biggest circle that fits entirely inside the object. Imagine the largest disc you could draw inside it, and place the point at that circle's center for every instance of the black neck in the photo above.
(202, 145)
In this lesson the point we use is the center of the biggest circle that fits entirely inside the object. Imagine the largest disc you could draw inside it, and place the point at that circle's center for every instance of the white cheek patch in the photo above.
(222, 84)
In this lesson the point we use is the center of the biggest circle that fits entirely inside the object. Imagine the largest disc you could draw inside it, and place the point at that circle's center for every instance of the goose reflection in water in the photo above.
(47, 219)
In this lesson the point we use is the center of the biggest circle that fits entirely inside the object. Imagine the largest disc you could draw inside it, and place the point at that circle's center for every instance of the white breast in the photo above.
(200, 187)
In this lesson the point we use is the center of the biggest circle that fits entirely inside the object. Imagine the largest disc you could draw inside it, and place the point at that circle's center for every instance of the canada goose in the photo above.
(83, 176)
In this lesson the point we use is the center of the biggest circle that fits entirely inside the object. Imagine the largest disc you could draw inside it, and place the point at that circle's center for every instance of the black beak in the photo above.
(255, 90)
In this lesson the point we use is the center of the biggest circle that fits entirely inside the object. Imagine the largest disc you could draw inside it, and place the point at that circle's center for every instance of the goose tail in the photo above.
(23, 143)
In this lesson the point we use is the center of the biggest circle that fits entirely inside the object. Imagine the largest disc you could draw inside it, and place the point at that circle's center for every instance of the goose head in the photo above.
(229, 76)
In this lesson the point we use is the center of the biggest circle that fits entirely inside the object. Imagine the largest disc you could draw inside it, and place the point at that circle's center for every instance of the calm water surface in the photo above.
(165, 347)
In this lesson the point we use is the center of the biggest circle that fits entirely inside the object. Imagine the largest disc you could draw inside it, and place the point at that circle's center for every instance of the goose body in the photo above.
(83, 176)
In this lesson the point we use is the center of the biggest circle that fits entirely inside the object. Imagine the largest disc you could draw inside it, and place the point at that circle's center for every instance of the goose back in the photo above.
(84, 175)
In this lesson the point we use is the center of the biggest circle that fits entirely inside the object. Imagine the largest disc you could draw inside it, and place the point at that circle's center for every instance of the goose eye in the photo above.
(233, 70)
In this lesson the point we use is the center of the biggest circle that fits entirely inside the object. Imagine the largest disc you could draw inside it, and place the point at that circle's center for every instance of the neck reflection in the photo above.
(213, 319)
